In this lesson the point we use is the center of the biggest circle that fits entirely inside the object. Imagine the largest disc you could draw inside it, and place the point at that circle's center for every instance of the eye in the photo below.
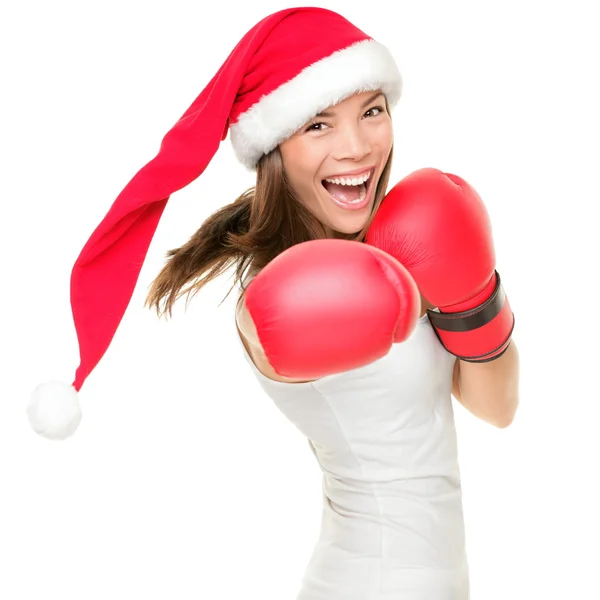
(317, 126)
(375, 110)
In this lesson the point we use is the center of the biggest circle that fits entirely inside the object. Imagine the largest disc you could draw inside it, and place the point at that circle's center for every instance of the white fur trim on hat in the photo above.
(361, 67)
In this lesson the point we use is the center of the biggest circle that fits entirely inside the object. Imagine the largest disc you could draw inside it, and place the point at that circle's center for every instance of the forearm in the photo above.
(490, 390)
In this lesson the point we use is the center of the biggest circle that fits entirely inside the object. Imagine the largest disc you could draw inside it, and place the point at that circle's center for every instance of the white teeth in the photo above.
(363, 193)
(350, 180)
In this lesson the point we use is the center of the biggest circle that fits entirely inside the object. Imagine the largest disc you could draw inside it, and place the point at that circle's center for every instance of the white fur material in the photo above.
(362, 67)
(54, 410)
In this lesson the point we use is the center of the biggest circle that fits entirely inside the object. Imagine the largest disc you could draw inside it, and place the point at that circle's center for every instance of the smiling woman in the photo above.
(333, 328)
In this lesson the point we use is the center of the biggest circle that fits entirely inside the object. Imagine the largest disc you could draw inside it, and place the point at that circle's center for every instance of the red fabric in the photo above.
(302, 39)
(106, 272)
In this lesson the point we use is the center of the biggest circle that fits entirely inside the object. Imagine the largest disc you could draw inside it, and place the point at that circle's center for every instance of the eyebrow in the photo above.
(363, 105)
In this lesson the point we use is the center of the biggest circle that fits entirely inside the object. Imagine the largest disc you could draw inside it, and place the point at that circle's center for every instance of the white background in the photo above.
(183, 480)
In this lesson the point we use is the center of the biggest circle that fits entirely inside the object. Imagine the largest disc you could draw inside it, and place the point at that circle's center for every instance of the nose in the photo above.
(352, 143)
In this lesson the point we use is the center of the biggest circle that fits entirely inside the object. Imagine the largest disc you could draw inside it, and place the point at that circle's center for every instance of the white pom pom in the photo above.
(54, 410)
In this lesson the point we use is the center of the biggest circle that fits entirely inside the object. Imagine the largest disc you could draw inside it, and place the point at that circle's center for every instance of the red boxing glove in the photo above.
(437, 226)
(327, 306)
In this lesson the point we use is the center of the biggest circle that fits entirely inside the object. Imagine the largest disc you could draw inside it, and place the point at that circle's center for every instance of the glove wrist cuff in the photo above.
(473, 318)
(479, 334)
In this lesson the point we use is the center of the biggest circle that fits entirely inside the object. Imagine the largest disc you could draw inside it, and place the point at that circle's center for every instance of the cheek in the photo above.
(301, 163)
(302, 183)
(385, 137)
(381, 133)
(302, 178)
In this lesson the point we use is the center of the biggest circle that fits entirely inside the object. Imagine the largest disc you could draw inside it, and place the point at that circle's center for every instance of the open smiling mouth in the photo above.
(350, 193)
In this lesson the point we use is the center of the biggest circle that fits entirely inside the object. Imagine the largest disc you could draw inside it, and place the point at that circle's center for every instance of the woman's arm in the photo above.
(489, 390)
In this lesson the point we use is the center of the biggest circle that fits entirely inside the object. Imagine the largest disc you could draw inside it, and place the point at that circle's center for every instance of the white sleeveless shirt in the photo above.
(384, 438)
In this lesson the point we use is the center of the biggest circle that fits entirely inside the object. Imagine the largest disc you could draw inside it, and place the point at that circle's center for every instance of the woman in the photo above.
(337, 331)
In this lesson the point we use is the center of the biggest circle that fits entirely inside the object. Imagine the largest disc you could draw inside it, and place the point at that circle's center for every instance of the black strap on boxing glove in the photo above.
(448, 325)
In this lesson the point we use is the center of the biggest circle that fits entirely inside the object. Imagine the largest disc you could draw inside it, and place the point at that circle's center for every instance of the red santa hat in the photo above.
(290, 66)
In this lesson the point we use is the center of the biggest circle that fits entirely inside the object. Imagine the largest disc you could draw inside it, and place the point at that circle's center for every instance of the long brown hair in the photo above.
(248, 233)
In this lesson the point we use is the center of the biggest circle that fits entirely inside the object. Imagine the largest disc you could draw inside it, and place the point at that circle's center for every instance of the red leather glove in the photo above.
(437, 226)
(327, 306)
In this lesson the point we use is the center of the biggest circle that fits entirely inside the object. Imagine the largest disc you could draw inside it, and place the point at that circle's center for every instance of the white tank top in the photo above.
(385, 440)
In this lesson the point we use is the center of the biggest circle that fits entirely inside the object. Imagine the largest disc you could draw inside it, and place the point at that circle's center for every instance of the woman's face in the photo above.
(334, 162)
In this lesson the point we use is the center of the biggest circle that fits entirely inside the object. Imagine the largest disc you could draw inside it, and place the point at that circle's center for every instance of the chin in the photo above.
(349, 226)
